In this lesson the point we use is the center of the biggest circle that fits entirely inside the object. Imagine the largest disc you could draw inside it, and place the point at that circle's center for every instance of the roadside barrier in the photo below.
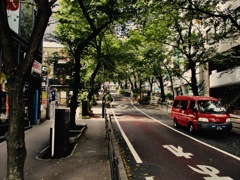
(113, 159)
(236, 123)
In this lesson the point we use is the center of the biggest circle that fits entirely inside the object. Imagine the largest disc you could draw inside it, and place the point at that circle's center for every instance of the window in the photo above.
(211, 107)
(192, 105)
(176, 104)
(184, 105)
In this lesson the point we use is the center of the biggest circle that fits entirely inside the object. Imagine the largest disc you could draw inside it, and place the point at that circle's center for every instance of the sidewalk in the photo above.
(89, 161)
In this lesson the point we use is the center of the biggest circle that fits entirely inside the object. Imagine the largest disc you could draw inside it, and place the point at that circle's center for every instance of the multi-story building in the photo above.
(21, 18)
(219, 81)
(225, 83)
(54, 78)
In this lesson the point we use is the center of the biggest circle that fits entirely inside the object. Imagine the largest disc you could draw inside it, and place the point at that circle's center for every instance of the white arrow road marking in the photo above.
(211, 171)
(190, 137)
(178, 151)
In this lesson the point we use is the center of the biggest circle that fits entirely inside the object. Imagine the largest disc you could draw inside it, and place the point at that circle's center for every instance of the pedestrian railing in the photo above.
(113, 159)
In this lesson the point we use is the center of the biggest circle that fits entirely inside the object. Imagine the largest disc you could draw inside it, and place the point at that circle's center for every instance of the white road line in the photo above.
(201, 142)
(130, 146)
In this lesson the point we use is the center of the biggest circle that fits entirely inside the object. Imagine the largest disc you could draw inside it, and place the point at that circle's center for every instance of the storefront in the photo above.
(4, 110)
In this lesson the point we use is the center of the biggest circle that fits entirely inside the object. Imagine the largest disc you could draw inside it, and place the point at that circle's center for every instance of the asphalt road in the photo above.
(152, 149)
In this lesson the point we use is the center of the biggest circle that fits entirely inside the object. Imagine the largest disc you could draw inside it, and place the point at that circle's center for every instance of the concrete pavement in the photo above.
(89, 161)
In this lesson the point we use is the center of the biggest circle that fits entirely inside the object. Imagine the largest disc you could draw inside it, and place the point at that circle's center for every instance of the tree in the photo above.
(78, 36)
(16, 76)
(175, 25)
(210, 9)
(225, 21)
(93, 17)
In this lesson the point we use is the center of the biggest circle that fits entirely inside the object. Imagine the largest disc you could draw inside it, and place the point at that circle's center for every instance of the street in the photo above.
(152, 149)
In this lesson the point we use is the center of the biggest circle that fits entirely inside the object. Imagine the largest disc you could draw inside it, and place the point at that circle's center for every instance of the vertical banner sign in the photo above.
(13, 13)
(44, 98)
(52, 121)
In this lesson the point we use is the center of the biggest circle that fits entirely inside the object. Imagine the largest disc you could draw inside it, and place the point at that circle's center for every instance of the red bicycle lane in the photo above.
(167, 154)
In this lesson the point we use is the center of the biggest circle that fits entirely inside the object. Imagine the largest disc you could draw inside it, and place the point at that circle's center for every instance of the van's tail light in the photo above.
(228, 120)
(201, 119)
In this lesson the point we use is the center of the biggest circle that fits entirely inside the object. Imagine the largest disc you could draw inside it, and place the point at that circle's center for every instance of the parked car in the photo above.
(200, 113)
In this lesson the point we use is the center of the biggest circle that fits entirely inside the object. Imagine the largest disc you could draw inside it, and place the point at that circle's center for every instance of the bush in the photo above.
(145, 100)
(169, 96)
(135, 95)
(125, 93)
(94, 100)
(108, 99)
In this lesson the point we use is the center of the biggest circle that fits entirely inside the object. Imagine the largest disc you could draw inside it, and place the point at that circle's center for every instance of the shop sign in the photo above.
(13, 14)
(37, 67)
(44, 98)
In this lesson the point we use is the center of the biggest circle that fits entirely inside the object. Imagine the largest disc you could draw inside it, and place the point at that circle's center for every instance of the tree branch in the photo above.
(223, 16)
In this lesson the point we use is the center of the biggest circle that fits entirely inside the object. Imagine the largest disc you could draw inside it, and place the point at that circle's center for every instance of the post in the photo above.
(47, 85)
(52, 129)
(103, 106)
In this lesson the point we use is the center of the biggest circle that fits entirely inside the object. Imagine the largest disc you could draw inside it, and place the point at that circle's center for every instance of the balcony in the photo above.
(224, 78)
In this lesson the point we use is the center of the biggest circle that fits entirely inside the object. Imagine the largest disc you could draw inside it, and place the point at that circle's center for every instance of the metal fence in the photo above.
(113, 159)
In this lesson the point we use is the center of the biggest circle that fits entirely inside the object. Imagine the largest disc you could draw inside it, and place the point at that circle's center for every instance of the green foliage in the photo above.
(125, 92)
(108, 99)
(93, 102)
(169, 96)
(135, 95)
(144, 100)
(83, 96)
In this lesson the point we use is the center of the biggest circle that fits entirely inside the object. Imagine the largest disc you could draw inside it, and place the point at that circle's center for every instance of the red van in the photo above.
(200, 113)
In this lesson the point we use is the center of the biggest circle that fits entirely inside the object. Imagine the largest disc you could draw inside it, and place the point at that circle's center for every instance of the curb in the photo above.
(81, 131)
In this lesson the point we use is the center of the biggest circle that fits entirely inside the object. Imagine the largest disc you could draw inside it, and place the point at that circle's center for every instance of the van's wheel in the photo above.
(175, 124)
(191, 128)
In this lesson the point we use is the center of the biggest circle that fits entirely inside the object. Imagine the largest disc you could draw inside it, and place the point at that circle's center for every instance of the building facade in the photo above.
(219, 81)
(54, 77)
(21, 17)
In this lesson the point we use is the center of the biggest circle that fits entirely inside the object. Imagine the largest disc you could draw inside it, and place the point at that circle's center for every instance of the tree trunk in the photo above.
(140, 87)
(93, 76)
(171, 80)
(194, 80)
(135, 81)
(76, 86)
(151, 84)
(160, 79)
(126, 84)
(15, 136)
(131, 84)
(16, 76)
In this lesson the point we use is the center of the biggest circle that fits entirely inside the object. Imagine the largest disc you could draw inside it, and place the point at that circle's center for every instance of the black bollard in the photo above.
(103, 106)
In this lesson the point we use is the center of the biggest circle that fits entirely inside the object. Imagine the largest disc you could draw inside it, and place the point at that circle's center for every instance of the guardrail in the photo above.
(236, 123)
(113, 159)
